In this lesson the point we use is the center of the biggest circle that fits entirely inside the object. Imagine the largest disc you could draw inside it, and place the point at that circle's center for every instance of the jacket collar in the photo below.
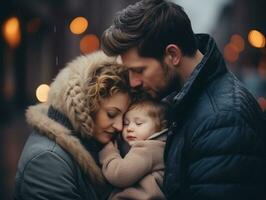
(90, 144)
(161, 135)
(58, 128)
(211, 66)
(59, 117)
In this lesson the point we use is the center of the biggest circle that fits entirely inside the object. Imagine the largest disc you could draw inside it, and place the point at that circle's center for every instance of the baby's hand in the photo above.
(108, 151)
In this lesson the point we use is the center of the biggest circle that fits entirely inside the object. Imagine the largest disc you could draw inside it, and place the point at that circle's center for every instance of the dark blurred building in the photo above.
(234, 28)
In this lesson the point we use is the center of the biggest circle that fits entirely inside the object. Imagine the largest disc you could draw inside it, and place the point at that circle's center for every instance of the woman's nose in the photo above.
(118, 125)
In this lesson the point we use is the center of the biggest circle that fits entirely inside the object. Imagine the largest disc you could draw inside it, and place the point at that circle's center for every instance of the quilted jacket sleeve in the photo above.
(47, 176)
(226, 157)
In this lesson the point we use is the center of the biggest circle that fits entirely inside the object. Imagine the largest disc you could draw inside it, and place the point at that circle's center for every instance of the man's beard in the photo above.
(172, 80)
(172, 83)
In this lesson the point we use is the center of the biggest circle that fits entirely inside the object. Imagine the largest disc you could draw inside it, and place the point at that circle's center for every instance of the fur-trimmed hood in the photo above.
(68, 95)
(37, 117)
(69, 91)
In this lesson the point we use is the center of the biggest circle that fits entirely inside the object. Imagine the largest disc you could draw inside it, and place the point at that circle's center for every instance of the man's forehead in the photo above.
(130, 55)
(132, 60)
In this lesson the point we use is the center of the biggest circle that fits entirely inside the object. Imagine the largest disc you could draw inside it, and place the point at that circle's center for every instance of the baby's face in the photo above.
(137, 125)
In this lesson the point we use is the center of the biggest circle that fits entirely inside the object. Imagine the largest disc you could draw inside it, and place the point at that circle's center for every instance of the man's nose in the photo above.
(134, 80)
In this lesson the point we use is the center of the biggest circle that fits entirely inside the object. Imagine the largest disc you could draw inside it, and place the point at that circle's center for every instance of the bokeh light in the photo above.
(78, 25)
(238, 41)
(262, 68)
(231, 53)
(89, 43)
(262, 103)
(42, 92)
(11, 32)
(256, 39)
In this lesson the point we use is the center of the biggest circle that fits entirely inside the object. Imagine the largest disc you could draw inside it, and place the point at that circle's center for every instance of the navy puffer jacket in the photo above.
(216, 144)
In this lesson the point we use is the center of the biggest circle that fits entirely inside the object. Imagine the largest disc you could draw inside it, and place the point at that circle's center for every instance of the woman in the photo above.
(84, 111)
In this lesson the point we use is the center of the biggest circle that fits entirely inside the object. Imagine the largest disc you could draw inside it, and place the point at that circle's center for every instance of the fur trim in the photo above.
(68, 91)
(37, 117)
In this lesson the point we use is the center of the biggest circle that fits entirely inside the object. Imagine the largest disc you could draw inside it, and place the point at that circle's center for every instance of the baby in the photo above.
(139, 175)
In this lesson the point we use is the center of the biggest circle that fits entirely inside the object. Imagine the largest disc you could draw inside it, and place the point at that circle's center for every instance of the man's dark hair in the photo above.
(150, 25)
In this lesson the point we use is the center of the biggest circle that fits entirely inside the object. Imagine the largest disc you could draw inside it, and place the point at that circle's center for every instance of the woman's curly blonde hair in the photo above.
(79, 88)
(106, 81)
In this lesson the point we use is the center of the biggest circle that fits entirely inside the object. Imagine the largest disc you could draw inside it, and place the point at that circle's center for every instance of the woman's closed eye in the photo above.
(111, 114)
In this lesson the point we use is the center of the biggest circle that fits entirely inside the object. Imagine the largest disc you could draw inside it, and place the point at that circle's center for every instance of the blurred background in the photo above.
(38, 37)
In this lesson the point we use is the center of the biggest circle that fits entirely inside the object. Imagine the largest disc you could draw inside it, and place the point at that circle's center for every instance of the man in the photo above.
(216, 144)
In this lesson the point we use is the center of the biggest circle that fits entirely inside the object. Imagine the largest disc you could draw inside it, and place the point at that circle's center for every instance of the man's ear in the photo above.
(172, 55)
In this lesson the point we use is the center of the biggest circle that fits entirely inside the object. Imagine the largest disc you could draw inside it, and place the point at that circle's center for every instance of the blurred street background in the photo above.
(38, 37)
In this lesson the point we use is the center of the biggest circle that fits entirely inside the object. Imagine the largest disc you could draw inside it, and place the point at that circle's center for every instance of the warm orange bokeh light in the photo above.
(262, 68)
(262, 103)
(256, 39)
(42, 92)
(89, 43)
(231, 53)
(238, 41)
(78, 25)
(11, 32)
